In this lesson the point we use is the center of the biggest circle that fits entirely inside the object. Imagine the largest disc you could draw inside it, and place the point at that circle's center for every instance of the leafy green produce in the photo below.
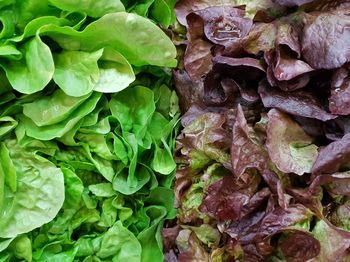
(33, 190)
(88, 123)
(264, 153)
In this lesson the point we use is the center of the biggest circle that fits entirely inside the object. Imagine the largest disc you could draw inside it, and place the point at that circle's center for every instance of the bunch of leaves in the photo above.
(263, 157)
(87, 130)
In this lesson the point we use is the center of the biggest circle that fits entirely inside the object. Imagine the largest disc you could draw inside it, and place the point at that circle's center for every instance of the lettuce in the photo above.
(87, 124)
(263, 156)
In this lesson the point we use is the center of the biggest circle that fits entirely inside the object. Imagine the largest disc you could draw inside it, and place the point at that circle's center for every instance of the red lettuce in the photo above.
(333, 156)
(292, 2)
(299, 103)
(263, 157)
(289, 147)
(339, 101)
(247, 149)
(325, 39)
(197, 59)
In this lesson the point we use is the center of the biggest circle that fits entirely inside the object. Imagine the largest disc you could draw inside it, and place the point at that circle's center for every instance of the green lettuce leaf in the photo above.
(39, 193)
(76, 72)
(90, 7)
(34, 71)
(147, 44)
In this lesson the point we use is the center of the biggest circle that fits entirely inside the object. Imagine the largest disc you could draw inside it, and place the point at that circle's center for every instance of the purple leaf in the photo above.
(289, 147)
(339, 101)
(299, 103)
(325, 41)
(333, 156)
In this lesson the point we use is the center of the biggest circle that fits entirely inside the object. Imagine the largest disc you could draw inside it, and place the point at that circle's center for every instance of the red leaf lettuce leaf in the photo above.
(289, 147)
(333, 156)
(325, 39)
(339, 100)
(299, 103)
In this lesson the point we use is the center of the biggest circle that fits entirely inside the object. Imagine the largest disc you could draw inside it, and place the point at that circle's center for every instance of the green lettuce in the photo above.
(87, 130)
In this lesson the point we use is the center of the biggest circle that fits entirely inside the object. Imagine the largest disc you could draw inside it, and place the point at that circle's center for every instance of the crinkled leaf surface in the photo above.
(38, 197)
(289, 147)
